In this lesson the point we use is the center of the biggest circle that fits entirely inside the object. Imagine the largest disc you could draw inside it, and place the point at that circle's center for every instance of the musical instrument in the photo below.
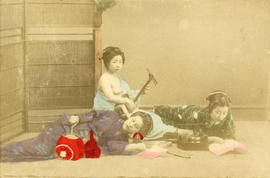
(124, 110)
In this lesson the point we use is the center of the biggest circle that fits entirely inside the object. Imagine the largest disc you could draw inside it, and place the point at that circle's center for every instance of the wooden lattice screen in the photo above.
(49, 61)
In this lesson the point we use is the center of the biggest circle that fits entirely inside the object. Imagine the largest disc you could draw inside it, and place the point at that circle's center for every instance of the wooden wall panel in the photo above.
(11, 68)
(11, 36)
(59, 75)
(72, 13)
(38, 127)
(12, 102)
(11, 126)
(60, 52)
(12, 79)
(39, 119)
(60, 97)
(60, 56)
(5, 121)
(11, 56)
(11, 14)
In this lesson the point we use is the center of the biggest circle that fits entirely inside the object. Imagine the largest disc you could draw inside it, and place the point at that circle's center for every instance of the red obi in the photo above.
(70, 149)
(91, 148)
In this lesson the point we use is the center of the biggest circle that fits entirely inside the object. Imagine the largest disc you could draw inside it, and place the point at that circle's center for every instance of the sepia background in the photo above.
(49, 65)
(193, 48)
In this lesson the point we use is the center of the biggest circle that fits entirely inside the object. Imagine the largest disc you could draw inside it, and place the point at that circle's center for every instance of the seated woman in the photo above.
(113, 136)
(214, 121)
(111, 86)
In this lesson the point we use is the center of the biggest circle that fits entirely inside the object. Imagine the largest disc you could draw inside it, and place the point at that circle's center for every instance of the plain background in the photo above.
(194, 47)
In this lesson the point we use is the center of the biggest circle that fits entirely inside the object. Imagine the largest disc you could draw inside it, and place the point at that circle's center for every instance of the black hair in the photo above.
(109, 53)
(147, 122)
(218, 98)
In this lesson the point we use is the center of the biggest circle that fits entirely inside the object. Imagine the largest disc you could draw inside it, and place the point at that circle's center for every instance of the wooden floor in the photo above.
(256, 163)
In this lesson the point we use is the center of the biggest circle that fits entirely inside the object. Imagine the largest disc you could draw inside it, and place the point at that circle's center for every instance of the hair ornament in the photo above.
(138, 133)
(219, 92)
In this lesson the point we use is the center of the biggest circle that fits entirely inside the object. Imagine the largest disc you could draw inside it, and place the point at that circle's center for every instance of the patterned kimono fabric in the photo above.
(197, 119)
(103, 123)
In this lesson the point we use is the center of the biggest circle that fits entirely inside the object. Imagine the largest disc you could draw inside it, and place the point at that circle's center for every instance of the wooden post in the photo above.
(24, 69)
(98, 53)
(268, 90)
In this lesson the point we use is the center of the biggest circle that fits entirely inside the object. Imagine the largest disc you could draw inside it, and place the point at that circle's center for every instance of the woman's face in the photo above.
(219, 113)
(133, 124)
(116, 64)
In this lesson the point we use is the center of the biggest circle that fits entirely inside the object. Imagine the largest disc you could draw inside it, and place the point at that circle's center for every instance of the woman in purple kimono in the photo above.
(112, 134)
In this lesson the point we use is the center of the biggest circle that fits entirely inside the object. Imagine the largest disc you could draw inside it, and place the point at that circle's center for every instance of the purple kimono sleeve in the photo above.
(115, 147)
(41, 147)
(64, 119)
(84, 117)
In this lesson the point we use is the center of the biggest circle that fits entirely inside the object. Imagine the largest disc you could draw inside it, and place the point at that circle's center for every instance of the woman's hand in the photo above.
(135, 147)
(131, 106)
(215, 139)
(140, 146)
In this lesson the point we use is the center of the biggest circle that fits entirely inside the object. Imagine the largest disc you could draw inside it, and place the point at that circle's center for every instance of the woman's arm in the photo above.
(214, 139)
(178, 132)
(229, 128)
(135, 147)
(226, 129)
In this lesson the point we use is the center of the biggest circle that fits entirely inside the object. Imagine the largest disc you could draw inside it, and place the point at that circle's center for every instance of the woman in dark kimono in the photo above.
(111, 132)
(214, 121)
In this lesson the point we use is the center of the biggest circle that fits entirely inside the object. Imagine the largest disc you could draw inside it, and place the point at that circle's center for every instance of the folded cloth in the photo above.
(226, 147)
(154, 152)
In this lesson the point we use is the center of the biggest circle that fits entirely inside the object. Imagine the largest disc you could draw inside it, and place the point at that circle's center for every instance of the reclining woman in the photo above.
(214, 121)
(112, 133)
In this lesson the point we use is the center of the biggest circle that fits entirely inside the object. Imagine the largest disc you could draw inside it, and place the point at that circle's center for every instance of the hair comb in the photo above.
(218, 92)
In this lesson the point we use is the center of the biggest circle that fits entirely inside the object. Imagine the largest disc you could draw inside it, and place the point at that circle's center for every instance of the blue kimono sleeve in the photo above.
(159, 128)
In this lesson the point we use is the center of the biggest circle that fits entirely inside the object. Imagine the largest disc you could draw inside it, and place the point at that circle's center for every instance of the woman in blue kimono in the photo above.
(111, 86)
